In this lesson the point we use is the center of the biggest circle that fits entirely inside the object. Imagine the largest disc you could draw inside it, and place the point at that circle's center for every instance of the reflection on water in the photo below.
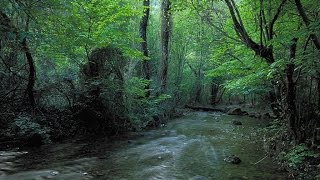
(191, 147)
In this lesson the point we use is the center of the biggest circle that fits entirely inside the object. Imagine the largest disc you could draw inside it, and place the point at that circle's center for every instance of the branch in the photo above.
(192, 69)
(213, 25)
(265, 26)
(11, 71)
(304, 52)
(275, 18)
(262, 51)
(236, 58)
(261, 23)
(239, 26)
(306, 20)
(237, 12)
(260, 160)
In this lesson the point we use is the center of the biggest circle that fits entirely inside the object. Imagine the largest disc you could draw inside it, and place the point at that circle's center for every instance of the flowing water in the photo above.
(192, 147)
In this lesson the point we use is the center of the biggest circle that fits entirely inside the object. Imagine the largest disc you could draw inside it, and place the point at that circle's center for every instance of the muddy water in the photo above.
(191, 147)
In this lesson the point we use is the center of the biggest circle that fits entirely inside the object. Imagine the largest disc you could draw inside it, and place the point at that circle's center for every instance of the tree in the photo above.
(164, 43)
(144, 45)
(291, 112)
(270, 48)
(7, 27)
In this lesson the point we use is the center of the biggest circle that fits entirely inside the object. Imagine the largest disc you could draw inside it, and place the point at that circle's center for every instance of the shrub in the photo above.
(25, 128)
(142, 110)
(298, 154)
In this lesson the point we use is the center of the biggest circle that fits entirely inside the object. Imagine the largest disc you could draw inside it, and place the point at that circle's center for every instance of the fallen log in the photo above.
(197, 108)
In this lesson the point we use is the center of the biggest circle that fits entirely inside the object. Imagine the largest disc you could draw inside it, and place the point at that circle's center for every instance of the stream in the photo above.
(191, 147)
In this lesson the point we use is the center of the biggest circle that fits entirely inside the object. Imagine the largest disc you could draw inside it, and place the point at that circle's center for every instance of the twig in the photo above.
(260, 160)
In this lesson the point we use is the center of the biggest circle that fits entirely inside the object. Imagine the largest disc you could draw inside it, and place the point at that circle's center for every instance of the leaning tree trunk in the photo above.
(144, 45)
(32, 70)
(32, 73)
(7, 27)
(165, 36)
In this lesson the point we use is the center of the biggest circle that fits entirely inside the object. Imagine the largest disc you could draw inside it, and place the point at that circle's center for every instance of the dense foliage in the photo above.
(105, 67)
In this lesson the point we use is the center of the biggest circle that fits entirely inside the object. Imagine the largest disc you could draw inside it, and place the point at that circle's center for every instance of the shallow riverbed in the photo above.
(190, 147)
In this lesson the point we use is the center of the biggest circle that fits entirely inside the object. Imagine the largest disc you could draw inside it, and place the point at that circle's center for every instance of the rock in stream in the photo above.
(232, 159)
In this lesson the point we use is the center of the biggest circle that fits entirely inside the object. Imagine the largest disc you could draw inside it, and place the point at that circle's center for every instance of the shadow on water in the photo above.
(191, 147)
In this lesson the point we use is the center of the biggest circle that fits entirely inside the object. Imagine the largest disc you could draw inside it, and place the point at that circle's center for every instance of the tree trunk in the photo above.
(32, 73)
(310, 91)
(261, 50)
(198, 90)
(32, 70)
(214, 92)
(265, 51)
(318, 89)
(178, 79)
(7, 26)
(253, 100)
(165, 36)
(144, 45)
(291, 112)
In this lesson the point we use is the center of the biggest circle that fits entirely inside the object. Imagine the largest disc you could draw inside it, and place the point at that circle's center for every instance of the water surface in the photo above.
(191, 147)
